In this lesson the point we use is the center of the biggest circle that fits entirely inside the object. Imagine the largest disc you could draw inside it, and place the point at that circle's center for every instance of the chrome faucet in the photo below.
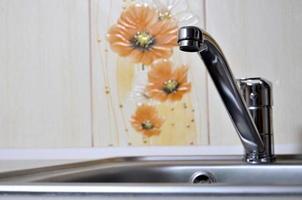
(257, 149)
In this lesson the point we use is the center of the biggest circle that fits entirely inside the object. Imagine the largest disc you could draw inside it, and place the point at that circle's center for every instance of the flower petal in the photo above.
(166, 27)
(181, 73)
(161, 51)
(147, 58)
(167, 40)
(160, 70)
(136, 55)
(186, 87)
(150, 133)
(121, 48)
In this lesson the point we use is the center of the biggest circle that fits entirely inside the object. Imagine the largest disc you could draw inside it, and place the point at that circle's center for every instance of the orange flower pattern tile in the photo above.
(166, 83)
(146, 120)
(142, 36)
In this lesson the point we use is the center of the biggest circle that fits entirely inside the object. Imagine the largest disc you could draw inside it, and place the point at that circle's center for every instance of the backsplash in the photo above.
(69, 81)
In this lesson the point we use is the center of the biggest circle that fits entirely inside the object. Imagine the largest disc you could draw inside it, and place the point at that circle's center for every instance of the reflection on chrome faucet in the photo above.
(192, 39)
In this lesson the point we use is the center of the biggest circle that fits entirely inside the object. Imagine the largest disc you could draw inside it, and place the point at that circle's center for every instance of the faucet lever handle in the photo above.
(257, 94)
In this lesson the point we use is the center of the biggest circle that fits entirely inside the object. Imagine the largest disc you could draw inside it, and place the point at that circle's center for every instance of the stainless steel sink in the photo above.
(202, 176)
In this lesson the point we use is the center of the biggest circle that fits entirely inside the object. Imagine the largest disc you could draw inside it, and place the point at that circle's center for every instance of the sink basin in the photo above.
(205, 175)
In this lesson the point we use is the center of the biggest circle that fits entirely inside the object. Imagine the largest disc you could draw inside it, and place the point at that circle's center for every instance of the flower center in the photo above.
(147, 125)
(170, 86)
(143, 40)
(165, 15)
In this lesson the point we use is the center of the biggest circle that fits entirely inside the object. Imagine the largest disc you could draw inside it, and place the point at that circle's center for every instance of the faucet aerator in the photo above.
(190, 39)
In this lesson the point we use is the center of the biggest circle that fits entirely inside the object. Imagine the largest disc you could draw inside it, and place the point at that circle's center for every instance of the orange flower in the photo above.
(147, 121)
(141, 35)
(166, 83)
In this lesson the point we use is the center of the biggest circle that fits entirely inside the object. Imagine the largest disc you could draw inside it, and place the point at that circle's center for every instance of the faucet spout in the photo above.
(192, 39)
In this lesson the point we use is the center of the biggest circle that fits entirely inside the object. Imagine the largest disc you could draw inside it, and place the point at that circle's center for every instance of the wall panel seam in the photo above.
(207, 79)
(90, 73)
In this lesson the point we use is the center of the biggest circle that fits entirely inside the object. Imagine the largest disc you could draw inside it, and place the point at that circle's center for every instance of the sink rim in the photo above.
(152, 188)
(227, 160)
(147, 188)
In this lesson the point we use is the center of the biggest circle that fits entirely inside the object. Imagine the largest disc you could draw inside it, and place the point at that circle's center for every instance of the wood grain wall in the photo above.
(56, 68)
(260, 38)
(44, 73)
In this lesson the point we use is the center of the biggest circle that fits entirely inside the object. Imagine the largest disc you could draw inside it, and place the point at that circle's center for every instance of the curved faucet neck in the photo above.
(192, 39)
(226, 86)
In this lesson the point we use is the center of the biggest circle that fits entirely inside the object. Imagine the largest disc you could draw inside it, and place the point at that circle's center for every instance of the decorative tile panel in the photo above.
(145, 91)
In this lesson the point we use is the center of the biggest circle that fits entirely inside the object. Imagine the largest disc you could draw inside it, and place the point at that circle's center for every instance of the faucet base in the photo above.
(257, 158)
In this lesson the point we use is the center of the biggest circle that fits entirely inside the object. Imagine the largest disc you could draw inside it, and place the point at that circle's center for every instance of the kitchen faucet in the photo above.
(258, 146)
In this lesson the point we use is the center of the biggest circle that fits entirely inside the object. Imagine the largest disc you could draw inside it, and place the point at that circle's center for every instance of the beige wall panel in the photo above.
(44, 74)
(260, 38)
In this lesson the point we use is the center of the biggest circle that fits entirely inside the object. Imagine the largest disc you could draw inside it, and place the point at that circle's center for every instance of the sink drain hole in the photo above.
(202, 178)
